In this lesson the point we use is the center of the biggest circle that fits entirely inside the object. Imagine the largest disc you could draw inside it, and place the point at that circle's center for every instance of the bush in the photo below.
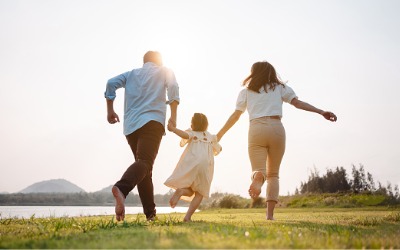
(258, 203)
(225, 200)
(230, 201)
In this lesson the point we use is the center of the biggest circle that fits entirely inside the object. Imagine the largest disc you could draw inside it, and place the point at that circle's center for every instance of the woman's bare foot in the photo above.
(175, 197)
(119, 203)
(270, 210)
(256, 185)
(187, 219)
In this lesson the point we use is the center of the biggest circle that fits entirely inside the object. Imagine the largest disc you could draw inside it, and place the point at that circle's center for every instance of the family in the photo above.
(148, 91)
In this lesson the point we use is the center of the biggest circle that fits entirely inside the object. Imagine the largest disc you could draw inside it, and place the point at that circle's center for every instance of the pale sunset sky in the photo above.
(57, 55)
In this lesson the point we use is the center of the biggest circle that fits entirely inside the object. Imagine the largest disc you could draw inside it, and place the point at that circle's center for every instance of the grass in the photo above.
(218, 228)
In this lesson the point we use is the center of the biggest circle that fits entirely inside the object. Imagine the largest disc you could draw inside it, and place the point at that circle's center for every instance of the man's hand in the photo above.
(171, 124)
(329, 116)
(171, 127)
(172, 119)
(112, 117)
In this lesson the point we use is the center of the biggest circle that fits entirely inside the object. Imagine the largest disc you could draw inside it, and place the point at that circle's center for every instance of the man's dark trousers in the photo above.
(144, 144)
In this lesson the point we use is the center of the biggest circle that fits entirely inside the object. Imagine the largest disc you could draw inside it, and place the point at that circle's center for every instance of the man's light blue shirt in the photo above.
(146, 89)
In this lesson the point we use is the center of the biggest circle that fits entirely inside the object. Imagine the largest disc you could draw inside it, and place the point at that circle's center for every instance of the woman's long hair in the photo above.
(263, 74)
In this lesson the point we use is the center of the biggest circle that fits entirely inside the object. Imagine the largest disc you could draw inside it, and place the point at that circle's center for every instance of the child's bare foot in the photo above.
(255, 187)
(175, 197)
(119, 203)
(187, 220)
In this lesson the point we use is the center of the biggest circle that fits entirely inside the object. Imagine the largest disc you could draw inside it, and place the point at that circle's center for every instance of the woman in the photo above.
(263, 98)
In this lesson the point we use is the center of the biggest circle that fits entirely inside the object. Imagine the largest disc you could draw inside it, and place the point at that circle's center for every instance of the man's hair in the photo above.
(153, 56)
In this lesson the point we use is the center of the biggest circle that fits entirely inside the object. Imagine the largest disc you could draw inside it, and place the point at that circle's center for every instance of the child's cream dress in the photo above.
(195, 168)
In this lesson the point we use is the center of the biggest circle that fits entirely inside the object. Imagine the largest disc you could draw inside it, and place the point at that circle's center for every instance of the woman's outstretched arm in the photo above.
(229, 123)
(308, 107)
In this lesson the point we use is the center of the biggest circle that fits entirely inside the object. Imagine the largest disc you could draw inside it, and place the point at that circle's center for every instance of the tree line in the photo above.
(74, 199)
(336, 180)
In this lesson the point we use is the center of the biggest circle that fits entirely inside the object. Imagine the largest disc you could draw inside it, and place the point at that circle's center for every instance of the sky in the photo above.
(57, 55)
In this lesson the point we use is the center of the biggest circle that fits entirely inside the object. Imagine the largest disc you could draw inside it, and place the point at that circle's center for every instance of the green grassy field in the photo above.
(377, 227)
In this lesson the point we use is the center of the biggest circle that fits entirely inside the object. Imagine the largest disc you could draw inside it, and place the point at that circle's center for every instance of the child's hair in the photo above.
(199, 122)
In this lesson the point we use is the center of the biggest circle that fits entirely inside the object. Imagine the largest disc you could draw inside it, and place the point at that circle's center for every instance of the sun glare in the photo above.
(175, 46)
(174, 55)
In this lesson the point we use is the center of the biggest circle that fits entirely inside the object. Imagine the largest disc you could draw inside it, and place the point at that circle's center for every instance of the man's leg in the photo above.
(122, 188)
(147, 145)
(147, 149)
(144, 143)
(119, 203)
(120, 196)
(146, 194)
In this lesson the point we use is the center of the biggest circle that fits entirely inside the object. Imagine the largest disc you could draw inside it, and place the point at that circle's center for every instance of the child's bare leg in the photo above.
(193, 206)
(177, 195)
(270, 209)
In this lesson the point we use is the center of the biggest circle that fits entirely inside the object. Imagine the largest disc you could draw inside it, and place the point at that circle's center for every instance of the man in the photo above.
(144, 122)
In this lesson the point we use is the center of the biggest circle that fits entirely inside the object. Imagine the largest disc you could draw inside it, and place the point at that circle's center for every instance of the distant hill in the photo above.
(105, 190)
(53, 186)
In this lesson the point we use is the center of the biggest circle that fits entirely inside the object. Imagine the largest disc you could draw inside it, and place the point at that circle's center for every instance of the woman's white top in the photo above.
(264, 103)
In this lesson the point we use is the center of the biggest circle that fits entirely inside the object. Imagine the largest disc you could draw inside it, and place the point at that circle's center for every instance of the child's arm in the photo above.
(178, 132)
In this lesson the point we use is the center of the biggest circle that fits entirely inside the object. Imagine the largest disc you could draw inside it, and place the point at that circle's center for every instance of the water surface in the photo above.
(74, 211)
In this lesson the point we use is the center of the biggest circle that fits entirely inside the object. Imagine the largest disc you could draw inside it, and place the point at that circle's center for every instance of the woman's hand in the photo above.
(308, 107)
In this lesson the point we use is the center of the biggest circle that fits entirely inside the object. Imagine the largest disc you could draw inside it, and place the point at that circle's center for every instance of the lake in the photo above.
(74, 211)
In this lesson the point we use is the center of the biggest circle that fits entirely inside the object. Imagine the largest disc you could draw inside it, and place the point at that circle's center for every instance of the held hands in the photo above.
(171, 124)
(112, 117)
(329, 116)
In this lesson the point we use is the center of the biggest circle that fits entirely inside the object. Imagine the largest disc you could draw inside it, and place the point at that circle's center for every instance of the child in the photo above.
(194, 172)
